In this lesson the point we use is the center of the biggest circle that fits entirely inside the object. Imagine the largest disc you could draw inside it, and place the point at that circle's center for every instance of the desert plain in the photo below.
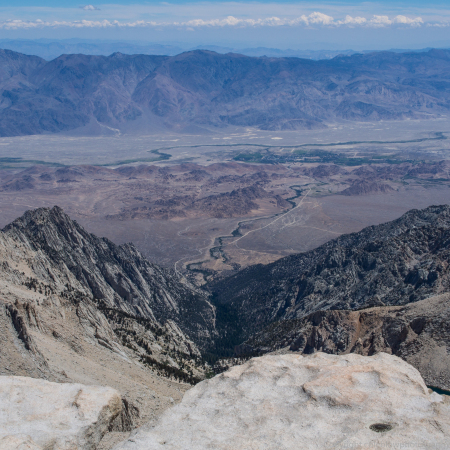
(211, 201)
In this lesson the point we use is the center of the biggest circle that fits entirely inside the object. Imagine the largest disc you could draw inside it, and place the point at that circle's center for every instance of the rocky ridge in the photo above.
(418, 333)
(396, 263)
(117, 277)
(77, 308)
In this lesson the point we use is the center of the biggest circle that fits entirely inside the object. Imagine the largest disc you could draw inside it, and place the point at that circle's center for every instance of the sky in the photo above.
(284, 24)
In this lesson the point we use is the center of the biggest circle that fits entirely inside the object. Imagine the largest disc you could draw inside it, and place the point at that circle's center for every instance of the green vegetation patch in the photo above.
(319, 156)
(160, 157)
(18, 163)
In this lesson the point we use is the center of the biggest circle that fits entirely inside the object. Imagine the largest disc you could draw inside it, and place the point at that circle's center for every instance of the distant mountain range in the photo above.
(208, 89)
(50, 49)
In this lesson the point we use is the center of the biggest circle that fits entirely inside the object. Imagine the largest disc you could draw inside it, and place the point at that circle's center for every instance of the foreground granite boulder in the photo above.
(310, 402)
(18, 442)
(38, 414)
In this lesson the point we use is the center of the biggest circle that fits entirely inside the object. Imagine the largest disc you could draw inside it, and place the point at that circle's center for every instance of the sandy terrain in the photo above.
(202, 206)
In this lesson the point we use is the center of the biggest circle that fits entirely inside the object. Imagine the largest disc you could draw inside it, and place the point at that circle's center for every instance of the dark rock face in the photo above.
(236, 203)
(418, 333)
(117, 276)
(18, 322)
(362, 187)
(396, 263)
(206, 88)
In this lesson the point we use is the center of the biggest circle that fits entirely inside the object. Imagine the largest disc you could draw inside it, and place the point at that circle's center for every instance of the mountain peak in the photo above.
(118, 275)
(39, 217)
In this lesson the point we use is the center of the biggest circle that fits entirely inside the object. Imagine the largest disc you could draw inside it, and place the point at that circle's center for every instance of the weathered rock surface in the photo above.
(290, 401)
(18, 442)
(60, 416)
(418, 333)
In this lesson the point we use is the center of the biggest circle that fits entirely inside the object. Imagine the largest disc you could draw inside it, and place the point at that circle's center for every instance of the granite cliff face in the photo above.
(118, 277)
(203, 88)
(396, 263)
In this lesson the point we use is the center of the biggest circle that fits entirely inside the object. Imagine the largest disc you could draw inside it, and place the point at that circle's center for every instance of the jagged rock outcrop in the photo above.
(418, 333)
(60, 416)
(289, 401)
(66, 256)
(395, 263)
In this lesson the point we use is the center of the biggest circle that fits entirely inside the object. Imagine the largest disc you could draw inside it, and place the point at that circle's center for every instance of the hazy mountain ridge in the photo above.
(210, 89)
(51, 49)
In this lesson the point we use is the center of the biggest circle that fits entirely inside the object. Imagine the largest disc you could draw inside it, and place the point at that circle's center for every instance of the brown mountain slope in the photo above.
(211, 89)
(419, 333)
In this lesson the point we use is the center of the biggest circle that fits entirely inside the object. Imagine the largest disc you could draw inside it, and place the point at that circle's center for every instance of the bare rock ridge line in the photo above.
(117, 276)
(289, 401)
(113, 289)
(204, 89)
(395, 263)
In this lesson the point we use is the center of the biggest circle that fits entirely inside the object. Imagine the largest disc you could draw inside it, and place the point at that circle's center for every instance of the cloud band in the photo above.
(312, 20)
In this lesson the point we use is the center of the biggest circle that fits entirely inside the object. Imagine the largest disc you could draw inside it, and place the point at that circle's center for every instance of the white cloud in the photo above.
(380, 21)
(320, 18)
(349, 20)
(90, 8)
(439, 24)
(315, 19)
(417, 21)
(384, 21)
